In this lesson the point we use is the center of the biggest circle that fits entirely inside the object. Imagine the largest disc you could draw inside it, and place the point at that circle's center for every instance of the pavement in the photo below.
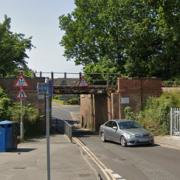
(29, 161)
(168, 141)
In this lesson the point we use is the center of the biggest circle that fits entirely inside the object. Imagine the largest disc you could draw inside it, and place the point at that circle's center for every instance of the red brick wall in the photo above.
(8, 85)
(138, 91)
(96, 109)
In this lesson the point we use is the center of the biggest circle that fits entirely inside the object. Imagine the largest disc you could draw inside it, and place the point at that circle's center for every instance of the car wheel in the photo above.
(151, 143)
(123, 141)
(103, 139)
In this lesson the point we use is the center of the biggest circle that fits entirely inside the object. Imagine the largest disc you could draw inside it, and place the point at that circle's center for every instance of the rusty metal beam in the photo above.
(80, 90)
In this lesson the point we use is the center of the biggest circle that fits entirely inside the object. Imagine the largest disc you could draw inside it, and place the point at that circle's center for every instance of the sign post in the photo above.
(46, 90)
(21, 83)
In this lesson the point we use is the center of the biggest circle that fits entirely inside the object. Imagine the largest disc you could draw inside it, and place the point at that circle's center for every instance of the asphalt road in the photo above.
(65, 112)
(137, 163)
(132, 163)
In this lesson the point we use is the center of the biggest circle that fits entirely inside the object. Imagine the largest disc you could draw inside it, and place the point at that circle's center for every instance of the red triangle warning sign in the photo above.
(83, 83)
(21, 82)
(21, 94)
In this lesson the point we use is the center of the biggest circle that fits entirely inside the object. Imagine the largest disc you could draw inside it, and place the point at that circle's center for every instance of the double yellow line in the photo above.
(107, 172)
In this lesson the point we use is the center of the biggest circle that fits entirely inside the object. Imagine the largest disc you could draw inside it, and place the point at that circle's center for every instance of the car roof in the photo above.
(122, 120)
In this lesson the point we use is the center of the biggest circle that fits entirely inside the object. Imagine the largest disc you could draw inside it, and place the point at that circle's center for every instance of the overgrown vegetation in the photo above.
(173, 82)
(12, 111)
(67, 99)
(155, 115)
(5, 105)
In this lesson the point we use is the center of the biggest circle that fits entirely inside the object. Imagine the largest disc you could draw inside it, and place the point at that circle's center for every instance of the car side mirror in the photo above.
(114, 127)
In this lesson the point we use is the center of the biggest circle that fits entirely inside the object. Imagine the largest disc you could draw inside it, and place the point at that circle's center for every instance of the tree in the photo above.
(13, 48)
(141, 38)
(5, 104)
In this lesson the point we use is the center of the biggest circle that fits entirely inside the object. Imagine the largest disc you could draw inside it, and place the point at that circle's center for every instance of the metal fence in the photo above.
(175, 122)
(68, 128)
(107, 79)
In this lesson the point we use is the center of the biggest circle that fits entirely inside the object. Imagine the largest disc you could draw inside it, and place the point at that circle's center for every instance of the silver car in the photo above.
(125, 132)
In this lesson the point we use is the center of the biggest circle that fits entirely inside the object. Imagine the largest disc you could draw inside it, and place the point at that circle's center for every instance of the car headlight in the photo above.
(129, 136)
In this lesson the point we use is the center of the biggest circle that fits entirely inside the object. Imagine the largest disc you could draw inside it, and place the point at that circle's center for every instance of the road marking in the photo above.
(117, 176)
(67, 138)
(108, 173)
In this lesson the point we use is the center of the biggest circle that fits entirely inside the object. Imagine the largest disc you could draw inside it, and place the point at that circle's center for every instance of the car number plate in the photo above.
(143, 139)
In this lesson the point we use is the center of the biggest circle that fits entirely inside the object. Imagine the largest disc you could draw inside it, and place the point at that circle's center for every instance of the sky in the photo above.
(39, 19)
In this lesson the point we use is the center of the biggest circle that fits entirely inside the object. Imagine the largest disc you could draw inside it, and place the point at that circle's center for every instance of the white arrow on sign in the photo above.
(21, 94)
(21, 82)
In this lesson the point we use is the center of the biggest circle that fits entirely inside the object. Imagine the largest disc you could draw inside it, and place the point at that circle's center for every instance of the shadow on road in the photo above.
(136, 146)
(83, 133)
(22, 150)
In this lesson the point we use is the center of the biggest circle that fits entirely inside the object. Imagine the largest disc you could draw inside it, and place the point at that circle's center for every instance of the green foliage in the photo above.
(5, 103)
(129, 114)
(31, 119)
(57, 97)
(140, 38)
(67, 99)
(101, 72)
(174, 82)
(155, 115)
(12, 111)
(73, 101)
(29, 113)
(13, 48)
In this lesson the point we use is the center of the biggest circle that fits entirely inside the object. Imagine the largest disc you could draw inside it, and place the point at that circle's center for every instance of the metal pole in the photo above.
(171, 119)
(48, 137)
(107, 80)
(21, 121)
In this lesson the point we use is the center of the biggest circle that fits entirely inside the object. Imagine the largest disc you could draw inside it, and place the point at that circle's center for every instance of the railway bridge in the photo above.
(77, 83)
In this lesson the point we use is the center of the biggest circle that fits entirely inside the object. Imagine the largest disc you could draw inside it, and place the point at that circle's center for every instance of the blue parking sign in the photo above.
(42, 88)
(45, 88)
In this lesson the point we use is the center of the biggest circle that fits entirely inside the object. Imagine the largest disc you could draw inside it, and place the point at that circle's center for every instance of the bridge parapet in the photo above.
(80, 90)
(80, 83)
(64, 78)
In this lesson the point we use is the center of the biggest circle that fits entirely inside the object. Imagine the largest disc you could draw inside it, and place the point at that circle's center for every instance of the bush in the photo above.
(5, 104)
(73, 101)
(174, 82)
(129, 114)
(31, 119)
(155, 115)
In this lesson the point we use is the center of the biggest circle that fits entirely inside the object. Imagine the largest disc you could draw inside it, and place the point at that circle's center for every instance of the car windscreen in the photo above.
(128, 125)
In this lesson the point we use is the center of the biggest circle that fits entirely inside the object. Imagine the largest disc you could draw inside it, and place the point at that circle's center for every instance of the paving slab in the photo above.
(168, 141)
(29, 161)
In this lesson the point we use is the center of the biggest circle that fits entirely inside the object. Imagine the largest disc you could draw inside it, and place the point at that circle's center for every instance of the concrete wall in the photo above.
(171, 89)
(86, 111)
(101, 110)
(93, 111)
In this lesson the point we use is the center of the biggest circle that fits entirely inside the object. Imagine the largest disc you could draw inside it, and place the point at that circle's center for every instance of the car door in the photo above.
(107, 130)
(114, 132)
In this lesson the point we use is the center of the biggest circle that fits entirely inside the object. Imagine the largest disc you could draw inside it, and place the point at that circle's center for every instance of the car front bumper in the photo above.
(138, 141)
